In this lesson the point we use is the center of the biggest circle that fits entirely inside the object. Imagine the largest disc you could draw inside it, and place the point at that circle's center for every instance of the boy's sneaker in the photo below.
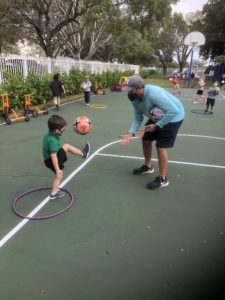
(58, 194)
(143, 170)
(159, 182)
(86, 151)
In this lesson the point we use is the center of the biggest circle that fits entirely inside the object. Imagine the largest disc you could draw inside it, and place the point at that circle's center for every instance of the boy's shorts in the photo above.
(210, 101)
(200, 92)
(165, 137)
(62, 157)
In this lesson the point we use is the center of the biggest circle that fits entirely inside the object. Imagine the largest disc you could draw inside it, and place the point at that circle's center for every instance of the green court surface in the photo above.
(119, 241)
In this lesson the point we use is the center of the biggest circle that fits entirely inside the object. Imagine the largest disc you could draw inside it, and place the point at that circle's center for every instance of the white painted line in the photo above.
(170, 161)
(20, 225)
(201, 136)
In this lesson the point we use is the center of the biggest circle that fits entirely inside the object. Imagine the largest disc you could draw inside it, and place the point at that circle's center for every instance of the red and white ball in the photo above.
(82, 125)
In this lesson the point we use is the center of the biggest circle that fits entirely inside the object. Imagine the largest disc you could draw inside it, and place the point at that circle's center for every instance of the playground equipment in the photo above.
(9, 114)
(98, 89)
(33, 110)
(116, 87)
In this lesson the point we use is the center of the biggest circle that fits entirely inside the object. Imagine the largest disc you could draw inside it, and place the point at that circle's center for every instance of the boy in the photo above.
(176, 87)
(212, 93)
(86, 86)
(55, 155)
(57, 88)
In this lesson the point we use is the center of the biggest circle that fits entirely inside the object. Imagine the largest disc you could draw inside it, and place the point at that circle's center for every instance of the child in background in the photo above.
(86, 86)
(57, 88)
(193, 80)
(176, 87)
(55, 155)
(184, 79)
(213, 91)
(223, 82)
(201, 84)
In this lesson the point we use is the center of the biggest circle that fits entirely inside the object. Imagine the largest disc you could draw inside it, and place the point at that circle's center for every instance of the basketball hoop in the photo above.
(193, 39)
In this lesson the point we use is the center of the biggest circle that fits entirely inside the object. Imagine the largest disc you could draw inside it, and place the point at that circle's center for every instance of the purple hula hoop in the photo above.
(16, 200)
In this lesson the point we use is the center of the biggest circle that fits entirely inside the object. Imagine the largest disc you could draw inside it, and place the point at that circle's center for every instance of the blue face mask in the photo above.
(132, 96)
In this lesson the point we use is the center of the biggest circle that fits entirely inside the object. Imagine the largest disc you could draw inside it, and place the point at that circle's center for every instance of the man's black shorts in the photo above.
(62, 157)
(165, 137)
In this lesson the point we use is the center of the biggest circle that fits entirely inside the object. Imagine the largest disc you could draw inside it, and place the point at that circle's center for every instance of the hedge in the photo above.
(16, 86)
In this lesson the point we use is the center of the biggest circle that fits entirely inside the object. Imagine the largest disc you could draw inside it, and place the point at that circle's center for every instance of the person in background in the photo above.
(184, 79)
(86, 86)
(213, 91)
(57, 88)
(223, 82)
(193, 82)
(200, 91)
(176, 87)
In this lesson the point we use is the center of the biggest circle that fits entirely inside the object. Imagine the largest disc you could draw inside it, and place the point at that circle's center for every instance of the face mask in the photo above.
(132, 96)
(60, 132)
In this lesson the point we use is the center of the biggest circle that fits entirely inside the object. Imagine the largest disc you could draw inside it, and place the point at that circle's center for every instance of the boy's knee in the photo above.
(65, 147)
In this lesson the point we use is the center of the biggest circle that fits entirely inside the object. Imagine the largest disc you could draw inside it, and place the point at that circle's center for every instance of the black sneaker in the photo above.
(57, 107)
(159, 182)
(58, 194)
(86, 151)
(143, 170)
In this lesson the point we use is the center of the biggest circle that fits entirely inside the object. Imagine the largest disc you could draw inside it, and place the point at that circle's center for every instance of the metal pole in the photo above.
(190, 67)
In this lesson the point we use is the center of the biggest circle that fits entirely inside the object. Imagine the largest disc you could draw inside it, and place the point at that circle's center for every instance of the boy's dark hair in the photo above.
(56, 122)
(56, 76)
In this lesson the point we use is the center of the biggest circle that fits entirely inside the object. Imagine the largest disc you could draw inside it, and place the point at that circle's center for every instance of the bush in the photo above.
(16, 86)
(145, 73)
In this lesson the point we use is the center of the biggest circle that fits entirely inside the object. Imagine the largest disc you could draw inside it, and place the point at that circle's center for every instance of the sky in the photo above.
(187, 6)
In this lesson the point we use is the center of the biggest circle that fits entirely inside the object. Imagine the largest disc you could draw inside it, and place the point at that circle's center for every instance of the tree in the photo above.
(8, 38)
(145, 13)
(42, 19)
(91, 33)
(164, 44)
(213, 28)
(181, 29)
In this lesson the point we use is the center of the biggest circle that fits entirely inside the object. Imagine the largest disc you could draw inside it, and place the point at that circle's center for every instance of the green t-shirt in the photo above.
(51, 144)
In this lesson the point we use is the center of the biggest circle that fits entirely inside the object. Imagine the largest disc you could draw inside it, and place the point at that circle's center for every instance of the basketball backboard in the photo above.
(194, 38)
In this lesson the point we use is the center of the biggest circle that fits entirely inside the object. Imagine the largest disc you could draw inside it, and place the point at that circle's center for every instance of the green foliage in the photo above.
(145, 73)
(208, 69)
(220, 59)
(16, 86)
(213, 29)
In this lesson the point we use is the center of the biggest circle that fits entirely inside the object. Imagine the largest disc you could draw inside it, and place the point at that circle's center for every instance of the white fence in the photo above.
(44, 65)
